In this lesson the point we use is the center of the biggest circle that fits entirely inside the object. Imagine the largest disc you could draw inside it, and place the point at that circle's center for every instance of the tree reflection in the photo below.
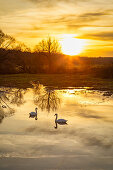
(17, 97)
(6, 113)
(46, 99)
(5, 109)
(8, 97)
(13, 96)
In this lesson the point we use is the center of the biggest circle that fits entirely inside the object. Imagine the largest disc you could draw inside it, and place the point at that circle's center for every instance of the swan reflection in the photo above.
(56, 124)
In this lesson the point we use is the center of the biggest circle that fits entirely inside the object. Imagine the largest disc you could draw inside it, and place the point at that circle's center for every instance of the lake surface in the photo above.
(84, 143)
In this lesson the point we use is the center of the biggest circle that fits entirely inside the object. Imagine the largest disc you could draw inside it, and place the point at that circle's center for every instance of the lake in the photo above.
(84, 143)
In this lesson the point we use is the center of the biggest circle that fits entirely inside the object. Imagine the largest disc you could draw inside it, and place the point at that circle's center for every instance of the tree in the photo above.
(19, 46)
(5, 43)
(5, 40)
(48, 47)
(8, 42)
(1, 37)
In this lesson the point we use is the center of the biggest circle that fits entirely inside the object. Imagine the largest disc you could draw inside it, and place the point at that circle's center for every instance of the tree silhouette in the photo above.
(48, 47)
(10, 44)
(5, 40)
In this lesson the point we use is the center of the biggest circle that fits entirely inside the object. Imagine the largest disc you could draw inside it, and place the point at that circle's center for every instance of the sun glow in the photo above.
(71, 45)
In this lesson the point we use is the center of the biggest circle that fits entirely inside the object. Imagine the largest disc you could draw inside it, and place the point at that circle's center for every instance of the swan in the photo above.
(60, 121)
(33, 114)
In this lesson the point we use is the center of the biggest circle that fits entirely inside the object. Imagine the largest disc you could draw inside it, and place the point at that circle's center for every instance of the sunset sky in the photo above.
(91, 21)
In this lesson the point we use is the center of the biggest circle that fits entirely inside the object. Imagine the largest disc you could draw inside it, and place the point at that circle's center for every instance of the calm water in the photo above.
(86, 142)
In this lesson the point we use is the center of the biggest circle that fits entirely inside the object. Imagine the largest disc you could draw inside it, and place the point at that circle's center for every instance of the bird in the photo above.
(33, 114)
(60, 121)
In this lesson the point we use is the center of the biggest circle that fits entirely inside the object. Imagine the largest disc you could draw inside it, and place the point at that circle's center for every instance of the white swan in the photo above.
(60, 121)
(33, 114)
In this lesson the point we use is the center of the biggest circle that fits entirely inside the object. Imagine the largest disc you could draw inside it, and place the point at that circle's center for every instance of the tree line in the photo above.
(16, 57)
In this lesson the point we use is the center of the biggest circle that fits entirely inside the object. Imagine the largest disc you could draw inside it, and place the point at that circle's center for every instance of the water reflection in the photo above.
(87, 135)
(5, 112)
(8, 98)
(46, 99)
(56, 124)
(108, 93)
(12, 96)
(17, 97)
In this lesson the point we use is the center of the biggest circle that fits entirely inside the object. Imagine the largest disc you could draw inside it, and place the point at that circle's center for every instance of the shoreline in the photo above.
(56, 81)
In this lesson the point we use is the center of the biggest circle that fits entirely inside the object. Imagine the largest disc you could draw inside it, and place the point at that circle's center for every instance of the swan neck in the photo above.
(56, 117)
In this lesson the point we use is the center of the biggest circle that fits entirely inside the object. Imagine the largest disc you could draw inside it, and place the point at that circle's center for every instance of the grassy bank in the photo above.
(55, 80)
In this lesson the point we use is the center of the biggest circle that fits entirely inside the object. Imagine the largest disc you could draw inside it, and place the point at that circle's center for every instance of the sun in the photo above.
(72, 46)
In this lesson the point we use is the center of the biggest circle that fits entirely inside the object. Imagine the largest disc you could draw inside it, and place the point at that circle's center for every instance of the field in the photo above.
(56, 81)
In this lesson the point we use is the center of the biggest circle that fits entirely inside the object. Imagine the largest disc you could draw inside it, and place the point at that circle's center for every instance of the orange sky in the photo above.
(31, 20)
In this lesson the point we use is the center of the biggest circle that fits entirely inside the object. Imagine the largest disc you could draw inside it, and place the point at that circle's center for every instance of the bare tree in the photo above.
(48, 47)
(19, 46)
(9, 43)
(1, 37)
(5, 40)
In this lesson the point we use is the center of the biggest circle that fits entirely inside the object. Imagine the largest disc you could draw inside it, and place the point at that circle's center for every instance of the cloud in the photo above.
(106, 36)
(42, 24)
(74, 21)
(70, 14)
(52, 3)
(94, 14)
